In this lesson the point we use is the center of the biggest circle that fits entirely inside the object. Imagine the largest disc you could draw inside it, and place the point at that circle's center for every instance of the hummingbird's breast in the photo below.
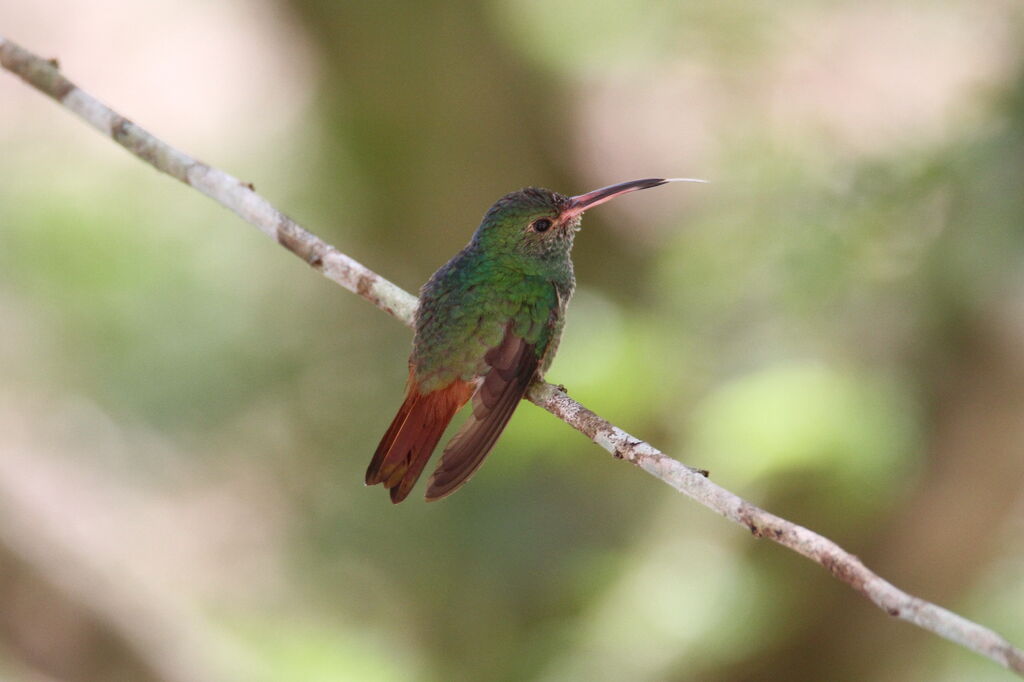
(467, 305)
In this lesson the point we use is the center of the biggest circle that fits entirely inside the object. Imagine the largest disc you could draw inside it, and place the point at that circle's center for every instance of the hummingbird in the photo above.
(488, 325)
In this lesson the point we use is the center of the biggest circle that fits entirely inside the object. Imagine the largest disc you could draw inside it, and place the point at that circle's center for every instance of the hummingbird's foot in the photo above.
(562, 388)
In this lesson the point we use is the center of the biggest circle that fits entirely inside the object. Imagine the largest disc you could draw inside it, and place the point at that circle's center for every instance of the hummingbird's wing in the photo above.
(513, 364)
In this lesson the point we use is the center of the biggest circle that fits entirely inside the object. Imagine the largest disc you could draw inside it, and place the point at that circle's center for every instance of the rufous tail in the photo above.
(413, 435)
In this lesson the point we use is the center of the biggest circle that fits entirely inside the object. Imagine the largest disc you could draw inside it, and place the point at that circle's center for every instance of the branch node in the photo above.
(364, 285)
(745, 515)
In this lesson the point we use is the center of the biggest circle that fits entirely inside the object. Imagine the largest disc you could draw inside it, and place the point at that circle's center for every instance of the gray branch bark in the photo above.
(230, 192)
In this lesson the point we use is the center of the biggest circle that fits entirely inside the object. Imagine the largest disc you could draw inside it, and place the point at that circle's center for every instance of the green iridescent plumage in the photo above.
(488, 325)
(506, 273)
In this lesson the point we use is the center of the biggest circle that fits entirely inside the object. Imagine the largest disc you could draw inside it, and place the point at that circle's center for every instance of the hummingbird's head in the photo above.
(537, 222)
(528, 222)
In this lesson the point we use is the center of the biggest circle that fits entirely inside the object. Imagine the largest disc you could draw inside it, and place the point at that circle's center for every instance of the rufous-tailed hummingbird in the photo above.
(488, 324)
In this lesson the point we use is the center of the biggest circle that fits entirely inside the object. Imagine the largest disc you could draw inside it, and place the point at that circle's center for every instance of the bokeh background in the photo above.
(834, 327)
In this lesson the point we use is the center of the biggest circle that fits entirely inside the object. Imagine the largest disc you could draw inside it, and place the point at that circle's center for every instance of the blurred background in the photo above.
(834, 327)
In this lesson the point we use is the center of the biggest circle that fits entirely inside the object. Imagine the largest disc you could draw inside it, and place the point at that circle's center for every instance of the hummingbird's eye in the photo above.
(541, 225)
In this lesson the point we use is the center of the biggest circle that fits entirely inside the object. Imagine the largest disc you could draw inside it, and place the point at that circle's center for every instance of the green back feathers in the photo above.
(516, 267)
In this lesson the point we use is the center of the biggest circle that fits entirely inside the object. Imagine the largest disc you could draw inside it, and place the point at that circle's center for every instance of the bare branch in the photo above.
(336, 266)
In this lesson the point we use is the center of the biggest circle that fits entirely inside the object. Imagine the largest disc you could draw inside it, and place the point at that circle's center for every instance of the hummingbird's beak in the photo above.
(581, 202)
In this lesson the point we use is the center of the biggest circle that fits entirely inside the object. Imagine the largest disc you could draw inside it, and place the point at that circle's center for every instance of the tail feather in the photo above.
(412, 436)
(376, 472)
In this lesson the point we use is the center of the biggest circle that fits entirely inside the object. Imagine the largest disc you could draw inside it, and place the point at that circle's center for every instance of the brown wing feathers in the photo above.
(422, 419)
(513, 365)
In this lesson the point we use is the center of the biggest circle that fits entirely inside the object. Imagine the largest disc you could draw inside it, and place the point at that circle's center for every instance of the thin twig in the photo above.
(336, 266)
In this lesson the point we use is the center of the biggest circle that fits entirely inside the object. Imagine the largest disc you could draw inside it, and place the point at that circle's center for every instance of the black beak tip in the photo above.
(599, 196)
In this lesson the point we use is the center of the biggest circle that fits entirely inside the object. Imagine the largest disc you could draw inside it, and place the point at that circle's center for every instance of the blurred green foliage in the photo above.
(793, 327)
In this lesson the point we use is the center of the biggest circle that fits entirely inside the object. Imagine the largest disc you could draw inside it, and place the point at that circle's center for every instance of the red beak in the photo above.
(580, 203)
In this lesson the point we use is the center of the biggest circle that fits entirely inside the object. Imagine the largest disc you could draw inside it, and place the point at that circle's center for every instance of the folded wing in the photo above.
(513, 364)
